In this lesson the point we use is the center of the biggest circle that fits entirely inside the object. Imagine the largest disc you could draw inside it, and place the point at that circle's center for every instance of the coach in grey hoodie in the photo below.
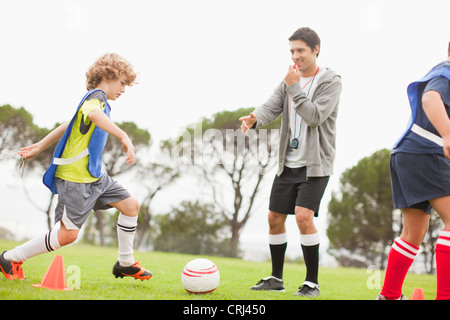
(307, 100)
(319, 113)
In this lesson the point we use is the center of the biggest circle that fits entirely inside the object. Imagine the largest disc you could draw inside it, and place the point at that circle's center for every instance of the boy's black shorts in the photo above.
(292, 189)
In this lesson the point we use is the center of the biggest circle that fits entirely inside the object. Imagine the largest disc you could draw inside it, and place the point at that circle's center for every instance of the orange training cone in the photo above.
(418, 294)
(55, 277)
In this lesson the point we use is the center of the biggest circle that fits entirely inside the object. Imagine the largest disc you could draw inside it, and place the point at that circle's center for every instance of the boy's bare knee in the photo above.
(132, 208)
(66, 237)
(129, 207)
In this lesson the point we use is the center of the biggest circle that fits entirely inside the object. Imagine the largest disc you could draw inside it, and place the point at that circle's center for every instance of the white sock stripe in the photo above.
(443, 242)
(406, 245)
(47, 243)
(126, 229)
(444, 233)
(51, 241)
(127, 223)
(278, 238)
(403, 252)
(310, 239)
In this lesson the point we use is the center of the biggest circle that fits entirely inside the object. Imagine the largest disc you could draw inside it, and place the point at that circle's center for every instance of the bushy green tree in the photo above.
(361, 215)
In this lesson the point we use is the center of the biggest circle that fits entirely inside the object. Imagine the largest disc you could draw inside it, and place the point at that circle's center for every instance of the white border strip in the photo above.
(427, 135)
(64, 162)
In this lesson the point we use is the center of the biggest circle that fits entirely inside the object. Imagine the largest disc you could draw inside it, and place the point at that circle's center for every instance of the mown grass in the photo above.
(98, 283)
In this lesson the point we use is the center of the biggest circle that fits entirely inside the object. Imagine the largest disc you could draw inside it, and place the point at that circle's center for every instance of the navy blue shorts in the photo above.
(292, 189)
(417, 178)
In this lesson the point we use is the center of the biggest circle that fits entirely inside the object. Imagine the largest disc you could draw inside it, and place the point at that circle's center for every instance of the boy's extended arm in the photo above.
(36, 148)
(435, 110)
(102, 121)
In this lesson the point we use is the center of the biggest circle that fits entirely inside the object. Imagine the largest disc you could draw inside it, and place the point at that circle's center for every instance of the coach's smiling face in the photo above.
(305, 57)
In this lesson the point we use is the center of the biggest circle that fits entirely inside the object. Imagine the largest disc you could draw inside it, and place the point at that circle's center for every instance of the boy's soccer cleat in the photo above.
(11, 269)
(381, 297)
(308, 289)
(270, 284)
(135, 271)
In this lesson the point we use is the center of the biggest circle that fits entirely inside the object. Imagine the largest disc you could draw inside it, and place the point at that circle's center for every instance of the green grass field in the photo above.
(98, 283)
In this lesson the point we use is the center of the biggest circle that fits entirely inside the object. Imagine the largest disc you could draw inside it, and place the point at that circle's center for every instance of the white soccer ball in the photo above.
(200, 276)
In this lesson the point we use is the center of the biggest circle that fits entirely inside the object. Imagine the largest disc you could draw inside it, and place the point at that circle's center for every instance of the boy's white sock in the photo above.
(126, 229)
(40, 244)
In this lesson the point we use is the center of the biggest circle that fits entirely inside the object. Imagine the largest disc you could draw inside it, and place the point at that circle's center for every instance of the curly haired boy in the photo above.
(75, 173)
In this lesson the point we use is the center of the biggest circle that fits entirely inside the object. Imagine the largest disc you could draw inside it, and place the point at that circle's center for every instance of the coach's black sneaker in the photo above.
(270, 283)
(308, 289)
(135, 271)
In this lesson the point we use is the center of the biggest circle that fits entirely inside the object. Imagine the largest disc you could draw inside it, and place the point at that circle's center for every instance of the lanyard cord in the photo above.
(307, 95)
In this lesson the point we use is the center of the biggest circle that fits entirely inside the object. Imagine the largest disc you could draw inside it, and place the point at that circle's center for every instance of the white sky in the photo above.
(199, 57)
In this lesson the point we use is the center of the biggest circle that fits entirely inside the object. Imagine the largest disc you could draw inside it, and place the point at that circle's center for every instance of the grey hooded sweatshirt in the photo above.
(319, 113)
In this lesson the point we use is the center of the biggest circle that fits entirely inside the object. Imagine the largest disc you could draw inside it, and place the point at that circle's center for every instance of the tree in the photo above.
(114, 156)
(232, 164)
(41, 162)
(362, 219)
(16, 130)
(6, 234)
(154, 177)
(192, 228)
(361, 216)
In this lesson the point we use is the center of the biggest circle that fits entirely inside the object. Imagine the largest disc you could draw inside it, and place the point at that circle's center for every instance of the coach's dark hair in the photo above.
(308, 36)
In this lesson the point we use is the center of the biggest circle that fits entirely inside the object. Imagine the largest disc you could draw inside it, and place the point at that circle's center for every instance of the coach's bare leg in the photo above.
(277, 243)
(276, 222)
(305, 220)
(415, 226)
(310, 241)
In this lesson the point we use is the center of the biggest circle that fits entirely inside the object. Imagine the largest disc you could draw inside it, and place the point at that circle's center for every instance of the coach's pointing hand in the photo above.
(247, 122)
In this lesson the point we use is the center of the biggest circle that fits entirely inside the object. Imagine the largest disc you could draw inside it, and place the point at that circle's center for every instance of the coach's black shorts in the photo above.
(292, 189)
(417, 178)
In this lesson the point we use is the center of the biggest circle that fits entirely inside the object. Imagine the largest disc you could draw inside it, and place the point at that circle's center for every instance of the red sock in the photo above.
(443, 265)
(401, 257)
